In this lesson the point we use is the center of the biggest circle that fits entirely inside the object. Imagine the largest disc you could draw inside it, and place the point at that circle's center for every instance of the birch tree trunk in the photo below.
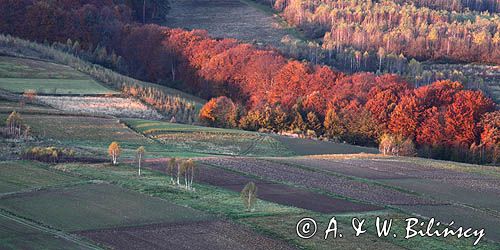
(140, 159)
(178, 174)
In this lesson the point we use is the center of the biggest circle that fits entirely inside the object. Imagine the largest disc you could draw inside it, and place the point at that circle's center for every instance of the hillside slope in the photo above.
(25, 65)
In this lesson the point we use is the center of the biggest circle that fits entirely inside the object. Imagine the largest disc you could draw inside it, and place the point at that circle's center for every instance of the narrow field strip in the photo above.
(54, 86)
(190, 235)
(33, 190)
(375, 194)
(274, 192)
(207, 198)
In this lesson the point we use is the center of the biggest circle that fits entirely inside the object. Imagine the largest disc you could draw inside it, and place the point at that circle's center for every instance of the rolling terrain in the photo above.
(88, 203)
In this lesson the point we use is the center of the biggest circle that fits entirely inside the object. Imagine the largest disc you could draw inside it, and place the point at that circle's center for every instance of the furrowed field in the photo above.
(196, 139)
(112, 207)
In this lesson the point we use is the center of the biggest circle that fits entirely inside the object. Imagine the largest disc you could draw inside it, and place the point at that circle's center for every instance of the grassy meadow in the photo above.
(54, 86)
(19, 75)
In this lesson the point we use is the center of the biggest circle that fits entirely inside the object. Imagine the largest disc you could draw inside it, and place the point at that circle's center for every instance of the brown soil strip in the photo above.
(198, 235)
(348, 187)
(278, 193)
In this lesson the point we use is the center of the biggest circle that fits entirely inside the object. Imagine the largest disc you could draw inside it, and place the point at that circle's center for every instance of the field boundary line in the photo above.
(44, 188)
(349, 177)
(31, 224)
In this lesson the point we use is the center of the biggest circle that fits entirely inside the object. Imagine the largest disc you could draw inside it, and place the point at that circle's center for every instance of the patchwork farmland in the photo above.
(88, 203)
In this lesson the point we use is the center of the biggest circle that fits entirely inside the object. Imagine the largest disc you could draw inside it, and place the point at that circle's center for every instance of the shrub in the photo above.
(49, 154)
(219, 112)
(396, 145)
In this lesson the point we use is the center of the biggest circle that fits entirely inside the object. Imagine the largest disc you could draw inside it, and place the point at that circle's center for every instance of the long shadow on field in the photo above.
(278, 193)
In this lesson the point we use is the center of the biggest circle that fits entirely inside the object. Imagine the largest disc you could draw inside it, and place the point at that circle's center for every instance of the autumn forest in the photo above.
(259, 88)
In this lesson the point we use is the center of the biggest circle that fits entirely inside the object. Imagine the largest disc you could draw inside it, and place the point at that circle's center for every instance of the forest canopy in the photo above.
(265, 90)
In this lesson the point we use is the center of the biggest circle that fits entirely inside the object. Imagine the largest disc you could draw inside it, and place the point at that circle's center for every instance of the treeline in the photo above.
(279, 95)
(456, 5)
(472, 76)
(265, 90)
(386, 27)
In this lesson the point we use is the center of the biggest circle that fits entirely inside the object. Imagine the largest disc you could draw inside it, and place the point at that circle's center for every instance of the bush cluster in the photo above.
(49, 154)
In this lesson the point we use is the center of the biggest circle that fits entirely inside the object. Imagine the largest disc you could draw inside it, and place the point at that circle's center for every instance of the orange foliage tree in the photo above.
(219, 112)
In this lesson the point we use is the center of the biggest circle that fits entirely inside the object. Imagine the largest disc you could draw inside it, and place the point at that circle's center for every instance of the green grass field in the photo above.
(54, 86)
(206, 198)
(20, 175)
(315, 147)
(7, 107)
(97, 133)
(18, 75)
(150, 127)
(82, 131)
(205, 140)
(271, 219)
(20, 234)
(14, 67)
(96, 206)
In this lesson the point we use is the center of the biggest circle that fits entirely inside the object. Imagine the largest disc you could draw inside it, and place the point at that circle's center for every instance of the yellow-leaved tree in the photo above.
(114, 151)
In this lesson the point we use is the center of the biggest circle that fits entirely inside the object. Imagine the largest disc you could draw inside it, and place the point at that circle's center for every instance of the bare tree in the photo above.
(179, 173)
(140, 154)
(15, 124)
(192, 167)
(188, 168)
(185, 172)
(249, 196)
(172, 164)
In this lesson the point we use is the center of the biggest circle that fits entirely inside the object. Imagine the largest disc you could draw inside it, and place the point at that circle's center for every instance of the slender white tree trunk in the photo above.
(178, 174)
(140, 158)
(192, 177)
(249, 201)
